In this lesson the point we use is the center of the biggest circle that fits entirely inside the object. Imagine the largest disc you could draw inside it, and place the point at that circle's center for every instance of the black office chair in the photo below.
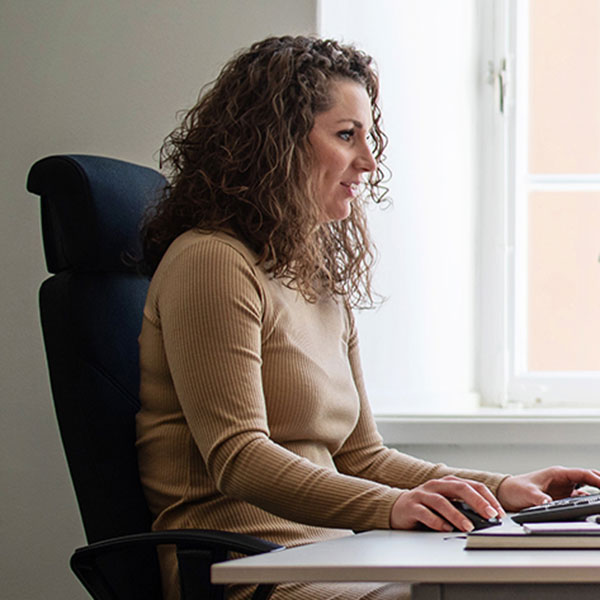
(91, 312)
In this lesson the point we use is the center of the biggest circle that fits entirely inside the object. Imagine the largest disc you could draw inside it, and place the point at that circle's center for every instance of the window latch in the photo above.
(501, 76)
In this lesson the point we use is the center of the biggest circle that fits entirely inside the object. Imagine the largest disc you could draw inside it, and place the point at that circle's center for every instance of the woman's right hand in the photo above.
(429, 504)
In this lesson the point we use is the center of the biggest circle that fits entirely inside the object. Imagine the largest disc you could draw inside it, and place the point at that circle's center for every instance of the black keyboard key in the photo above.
(575, 508)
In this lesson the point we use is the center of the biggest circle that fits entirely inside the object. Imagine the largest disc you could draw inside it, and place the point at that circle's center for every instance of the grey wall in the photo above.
(89, 77)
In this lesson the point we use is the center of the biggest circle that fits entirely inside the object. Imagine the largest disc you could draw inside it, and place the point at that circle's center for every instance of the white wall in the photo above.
(100, 78)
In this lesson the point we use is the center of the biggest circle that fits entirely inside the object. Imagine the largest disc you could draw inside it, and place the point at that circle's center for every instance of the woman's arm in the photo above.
(211, 306)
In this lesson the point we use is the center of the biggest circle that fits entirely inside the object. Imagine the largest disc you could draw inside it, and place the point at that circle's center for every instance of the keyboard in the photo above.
(575, 508)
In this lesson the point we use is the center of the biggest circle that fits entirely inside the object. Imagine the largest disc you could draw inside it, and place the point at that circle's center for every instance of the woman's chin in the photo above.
(339, 211)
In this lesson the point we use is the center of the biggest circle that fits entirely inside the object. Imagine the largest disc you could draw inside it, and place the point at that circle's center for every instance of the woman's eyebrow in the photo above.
(356, 123)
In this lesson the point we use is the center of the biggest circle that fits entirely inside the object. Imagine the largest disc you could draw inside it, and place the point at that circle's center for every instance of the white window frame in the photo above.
(569, 389)
(494, 234)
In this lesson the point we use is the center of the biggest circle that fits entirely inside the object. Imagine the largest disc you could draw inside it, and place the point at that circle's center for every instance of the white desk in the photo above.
(435, 563)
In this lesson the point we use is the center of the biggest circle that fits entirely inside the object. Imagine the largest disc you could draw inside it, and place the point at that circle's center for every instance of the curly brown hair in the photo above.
(240, 161)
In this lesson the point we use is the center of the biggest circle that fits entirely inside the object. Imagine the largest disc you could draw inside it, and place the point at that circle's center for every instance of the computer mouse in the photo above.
(478, 521)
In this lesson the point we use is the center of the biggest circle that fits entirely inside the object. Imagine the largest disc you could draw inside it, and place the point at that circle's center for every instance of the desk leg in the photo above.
(505, 591)
(426, 591)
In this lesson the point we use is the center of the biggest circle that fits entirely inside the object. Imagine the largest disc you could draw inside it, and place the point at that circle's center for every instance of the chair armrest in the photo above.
(197, 550)
(184, 538)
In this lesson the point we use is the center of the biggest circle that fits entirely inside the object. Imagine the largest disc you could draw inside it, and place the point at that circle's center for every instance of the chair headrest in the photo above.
(92, 208)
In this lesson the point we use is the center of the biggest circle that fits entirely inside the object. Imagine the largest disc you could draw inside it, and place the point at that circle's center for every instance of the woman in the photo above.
(254, 416)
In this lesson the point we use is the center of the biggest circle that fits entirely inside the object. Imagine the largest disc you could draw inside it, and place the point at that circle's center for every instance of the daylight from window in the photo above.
(557, 203)
(564, 190)
(489, 255)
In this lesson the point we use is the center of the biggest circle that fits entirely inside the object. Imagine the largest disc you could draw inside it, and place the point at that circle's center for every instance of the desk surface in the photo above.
(410, 556)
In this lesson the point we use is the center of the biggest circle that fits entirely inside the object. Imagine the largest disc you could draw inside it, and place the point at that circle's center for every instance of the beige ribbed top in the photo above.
(254, 416)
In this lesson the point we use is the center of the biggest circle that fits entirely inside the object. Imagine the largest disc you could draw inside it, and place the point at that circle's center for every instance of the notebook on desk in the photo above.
(511, 535)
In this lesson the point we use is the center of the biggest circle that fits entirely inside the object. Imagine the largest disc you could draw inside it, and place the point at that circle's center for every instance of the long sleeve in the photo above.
(214, 317)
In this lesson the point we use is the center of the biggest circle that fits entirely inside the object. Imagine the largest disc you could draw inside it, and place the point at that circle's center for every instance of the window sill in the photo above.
(493, 427)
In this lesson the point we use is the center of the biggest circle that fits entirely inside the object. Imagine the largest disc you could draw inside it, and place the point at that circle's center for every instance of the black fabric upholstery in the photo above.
(91, 315)
(91, 209)
(93, 372)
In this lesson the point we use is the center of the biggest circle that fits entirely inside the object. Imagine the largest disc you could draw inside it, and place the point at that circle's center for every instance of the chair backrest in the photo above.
(91, 309)
(91, 312)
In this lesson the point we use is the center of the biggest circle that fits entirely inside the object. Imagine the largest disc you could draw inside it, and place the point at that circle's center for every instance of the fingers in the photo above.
(537, 497)
(518, 491)
(476, 494)
(429, 510)
(586, 477)
(560, 482)
(430, 504)
(446, 516)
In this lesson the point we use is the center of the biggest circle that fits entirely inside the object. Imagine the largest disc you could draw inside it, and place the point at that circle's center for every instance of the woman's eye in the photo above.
(346, 135)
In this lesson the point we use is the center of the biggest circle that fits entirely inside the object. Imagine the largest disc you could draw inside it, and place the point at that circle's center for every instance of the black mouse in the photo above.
(478, 521)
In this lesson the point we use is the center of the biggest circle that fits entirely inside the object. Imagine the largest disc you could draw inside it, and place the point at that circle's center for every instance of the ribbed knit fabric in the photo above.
(254, 416)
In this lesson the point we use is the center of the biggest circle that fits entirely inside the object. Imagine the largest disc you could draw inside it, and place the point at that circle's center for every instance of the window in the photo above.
(556, 203)
(485, 306)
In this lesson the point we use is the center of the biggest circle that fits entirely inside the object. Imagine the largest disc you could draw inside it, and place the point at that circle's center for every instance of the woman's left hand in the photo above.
(519, 491)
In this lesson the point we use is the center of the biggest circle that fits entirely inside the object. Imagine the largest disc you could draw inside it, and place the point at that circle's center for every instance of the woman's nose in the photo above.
(364, 159)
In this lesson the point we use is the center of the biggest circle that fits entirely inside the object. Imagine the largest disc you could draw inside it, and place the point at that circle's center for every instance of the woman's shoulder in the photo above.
(200, 258)
(200, 253)
(197, 243)
(199, 262)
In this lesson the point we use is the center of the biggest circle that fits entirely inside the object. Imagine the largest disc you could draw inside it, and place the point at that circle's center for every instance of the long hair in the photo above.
(240, 161)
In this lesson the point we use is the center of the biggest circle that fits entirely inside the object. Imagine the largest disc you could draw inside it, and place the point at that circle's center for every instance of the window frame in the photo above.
(524, 387)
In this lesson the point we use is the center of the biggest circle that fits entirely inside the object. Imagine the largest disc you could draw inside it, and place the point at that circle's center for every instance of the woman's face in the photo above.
(339, 140)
